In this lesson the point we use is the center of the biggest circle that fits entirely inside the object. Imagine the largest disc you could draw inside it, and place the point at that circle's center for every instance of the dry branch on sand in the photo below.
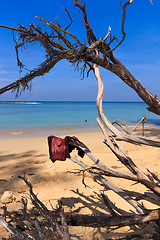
(41, 223)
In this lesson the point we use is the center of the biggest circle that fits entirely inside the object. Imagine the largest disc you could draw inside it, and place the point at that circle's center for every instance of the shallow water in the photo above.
(19, 117)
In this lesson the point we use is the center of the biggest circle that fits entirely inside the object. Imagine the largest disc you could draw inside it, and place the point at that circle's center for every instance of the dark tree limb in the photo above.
(104, 220)
(47, 214)
(110, 221)
(58, 30)
(122, 24)
(22, 83)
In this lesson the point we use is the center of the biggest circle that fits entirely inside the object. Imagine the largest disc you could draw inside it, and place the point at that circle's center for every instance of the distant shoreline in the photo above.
(31, 118)
(32, 132)
(37, 132)
(67, 101)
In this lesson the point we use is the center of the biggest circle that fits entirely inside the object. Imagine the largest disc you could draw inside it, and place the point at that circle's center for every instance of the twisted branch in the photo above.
(119, 135)
(74, 51)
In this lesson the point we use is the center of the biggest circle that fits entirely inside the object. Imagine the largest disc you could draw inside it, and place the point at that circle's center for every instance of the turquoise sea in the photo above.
(39, 116)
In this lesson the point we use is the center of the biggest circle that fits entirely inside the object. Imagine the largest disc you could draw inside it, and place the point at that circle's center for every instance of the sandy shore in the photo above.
(29, 156)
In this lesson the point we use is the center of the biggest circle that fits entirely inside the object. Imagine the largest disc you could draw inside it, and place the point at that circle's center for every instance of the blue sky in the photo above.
(140, 51)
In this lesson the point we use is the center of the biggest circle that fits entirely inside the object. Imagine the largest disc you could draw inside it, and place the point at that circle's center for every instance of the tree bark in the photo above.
(110, 221)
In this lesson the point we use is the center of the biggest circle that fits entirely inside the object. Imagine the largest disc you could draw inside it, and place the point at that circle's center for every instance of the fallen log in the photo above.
(103, 220)
(111, 221)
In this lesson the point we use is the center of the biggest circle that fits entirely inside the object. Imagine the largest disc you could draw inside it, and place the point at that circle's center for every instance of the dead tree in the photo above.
(60, 44)
(98, 53)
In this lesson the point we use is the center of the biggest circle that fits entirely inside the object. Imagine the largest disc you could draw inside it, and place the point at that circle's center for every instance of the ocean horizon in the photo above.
(24, 116)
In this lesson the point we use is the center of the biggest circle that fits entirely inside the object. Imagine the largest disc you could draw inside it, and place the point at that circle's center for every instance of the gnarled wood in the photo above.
(68, 46)
(119, 135)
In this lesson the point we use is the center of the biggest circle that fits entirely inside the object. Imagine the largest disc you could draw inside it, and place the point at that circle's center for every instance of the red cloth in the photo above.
(59, 149)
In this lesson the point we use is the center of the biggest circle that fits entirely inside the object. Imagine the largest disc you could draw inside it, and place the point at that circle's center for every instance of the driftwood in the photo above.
(54, 223)
(136, 175)
(151, 181)
(29, 224)
(59, 221)
(118, 135)
(126, 129)
(104, 220)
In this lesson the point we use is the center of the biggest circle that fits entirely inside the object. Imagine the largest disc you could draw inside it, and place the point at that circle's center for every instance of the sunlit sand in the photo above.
(29, 156)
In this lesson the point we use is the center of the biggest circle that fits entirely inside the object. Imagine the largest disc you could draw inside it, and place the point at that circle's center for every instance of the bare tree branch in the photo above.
(122, 24)
(57, 41)
(58, 30)
(119, 135)
(111, 186)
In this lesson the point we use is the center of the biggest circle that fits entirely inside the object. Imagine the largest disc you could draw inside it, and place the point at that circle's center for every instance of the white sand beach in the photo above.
(29, 156)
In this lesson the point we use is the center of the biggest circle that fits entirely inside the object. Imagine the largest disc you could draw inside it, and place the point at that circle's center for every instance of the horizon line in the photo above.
(68, 101)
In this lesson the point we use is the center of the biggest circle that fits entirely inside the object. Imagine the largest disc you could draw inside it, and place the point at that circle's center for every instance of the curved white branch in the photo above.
(109, 30)
(119, 135)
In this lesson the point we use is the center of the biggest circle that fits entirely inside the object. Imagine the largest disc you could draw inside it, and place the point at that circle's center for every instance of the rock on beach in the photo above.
(8, 197)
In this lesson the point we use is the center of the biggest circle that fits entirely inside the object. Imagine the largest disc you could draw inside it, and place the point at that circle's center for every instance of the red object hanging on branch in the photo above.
(60, 149)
